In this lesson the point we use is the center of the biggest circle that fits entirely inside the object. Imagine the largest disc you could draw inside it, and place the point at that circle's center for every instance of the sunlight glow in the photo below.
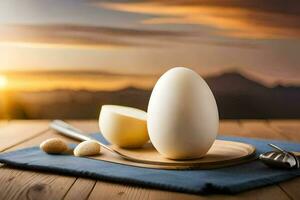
(3, 81)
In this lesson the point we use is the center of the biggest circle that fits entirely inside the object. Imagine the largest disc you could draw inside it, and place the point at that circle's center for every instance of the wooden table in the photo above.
(24, 184)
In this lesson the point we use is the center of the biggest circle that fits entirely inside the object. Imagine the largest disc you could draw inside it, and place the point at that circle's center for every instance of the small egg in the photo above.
(183, 116)
(87, 148)
(54, 146)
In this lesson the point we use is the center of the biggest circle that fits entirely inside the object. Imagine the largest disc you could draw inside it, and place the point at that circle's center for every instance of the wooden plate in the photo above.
(222, 153)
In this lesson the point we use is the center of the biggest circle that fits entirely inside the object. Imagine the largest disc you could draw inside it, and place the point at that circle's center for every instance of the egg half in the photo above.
(183, 118)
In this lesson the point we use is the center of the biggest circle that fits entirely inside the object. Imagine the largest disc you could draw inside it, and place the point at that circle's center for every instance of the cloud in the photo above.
(232, 44)
(69, 35)
(80, 35)
(255, 19)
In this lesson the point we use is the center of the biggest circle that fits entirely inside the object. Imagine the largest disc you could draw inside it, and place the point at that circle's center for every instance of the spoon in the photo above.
(280, 158)
(72, 132)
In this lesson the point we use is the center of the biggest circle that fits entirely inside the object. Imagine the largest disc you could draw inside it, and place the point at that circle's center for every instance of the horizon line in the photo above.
(94, 72)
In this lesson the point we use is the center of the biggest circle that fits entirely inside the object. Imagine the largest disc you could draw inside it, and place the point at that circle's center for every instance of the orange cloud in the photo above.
(233, 18)
(68, 35)
(80, 36)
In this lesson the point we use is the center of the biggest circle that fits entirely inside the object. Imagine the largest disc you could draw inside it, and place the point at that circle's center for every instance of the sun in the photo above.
(3, 81)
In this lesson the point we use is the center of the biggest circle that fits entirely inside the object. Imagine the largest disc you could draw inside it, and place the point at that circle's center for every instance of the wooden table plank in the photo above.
(16, 132)
(258, 194)
(43, 185)
(105, 190)
(22, 184)
(285, 123)
(291, 188)
(290, 130)
(230, 127)
(76, 183)
(258, 129)
(82, 188)
(119, 191)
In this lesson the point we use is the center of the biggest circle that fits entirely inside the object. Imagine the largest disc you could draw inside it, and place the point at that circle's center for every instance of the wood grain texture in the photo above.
(80, 189)
(20, 184)
(87, 126)
(289, 130)
(258, 129)
(258, 194)
(230, 128)
(118, 191)
(16, 132)
(115, 191)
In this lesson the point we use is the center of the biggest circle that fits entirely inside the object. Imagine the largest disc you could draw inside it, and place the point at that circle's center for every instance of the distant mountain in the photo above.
(233, 82)
(237, 98)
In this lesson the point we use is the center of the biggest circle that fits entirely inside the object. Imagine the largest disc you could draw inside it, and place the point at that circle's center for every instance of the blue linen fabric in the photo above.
(228, 180)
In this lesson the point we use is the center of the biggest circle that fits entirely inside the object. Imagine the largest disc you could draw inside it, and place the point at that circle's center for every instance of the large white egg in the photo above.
(183, 118)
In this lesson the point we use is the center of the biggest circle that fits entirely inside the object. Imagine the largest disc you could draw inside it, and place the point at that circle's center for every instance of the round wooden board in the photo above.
(222, 153)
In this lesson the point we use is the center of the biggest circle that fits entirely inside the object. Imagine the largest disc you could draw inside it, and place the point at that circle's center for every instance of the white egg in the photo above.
(183, 118)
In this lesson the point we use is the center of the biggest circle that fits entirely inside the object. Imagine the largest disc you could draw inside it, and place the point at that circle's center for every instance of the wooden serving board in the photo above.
(221, 154)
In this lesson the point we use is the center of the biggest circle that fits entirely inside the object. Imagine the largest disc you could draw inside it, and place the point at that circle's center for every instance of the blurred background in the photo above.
(65, 58)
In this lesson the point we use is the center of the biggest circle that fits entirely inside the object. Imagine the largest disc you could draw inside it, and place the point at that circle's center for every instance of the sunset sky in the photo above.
(259, 38)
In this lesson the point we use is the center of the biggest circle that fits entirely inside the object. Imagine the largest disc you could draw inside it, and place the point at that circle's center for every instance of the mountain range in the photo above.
(237, 98)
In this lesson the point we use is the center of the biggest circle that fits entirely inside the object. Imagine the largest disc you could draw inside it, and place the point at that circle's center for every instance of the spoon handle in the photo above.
(278, 148)
(283, 151)
(68, 130)
(72, 132)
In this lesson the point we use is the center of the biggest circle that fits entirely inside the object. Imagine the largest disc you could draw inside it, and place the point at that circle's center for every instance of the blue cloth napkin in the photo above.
(232, 179)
